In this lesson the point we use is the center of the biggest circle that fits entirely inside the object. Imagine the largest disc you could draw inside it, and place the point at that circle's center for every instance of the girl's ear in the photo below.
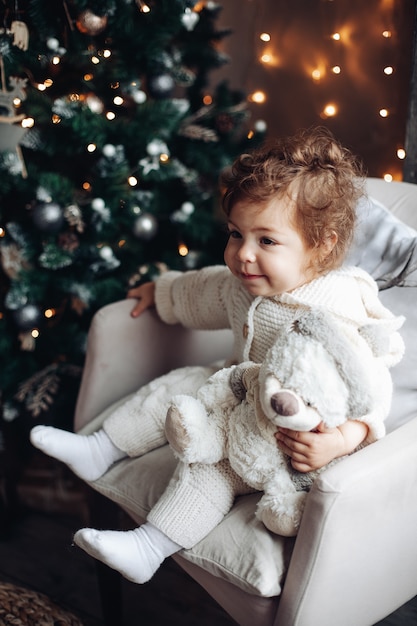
(328, 243)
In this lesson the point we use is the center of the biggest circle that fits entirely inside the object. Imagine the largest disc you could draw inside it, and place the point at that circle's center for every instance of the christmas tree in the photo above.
(112, 140)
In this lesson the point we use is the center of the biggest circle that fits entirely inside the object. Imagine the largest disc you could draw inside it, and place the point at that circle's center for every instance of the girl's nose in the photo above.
(246, 253)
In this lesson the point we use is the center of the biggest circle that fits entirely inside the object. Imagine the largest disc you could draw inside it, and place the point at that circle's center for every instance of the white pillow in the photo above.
(384, 246)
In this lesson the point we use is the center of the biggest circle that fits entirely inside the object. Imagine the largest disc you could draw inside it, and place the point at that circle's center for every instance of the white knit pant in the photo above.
(198, 496)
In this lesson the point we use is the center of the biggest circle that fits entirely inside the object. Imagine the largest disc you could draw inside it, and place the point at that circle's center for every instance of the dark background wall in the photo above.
(374, 35)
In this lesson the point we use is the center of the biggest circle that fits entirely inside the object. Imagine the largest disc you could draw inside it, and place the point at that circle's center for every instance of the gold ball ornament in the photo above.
(89, 23)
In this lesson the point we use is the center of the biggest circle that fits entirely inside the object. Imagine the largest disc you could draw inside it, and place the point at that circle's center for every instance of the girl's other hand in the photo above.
(145, 296)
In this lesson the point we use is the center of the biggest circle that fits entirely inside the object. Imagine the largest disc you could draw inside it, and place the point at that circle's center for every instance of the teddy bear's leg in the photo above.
(193, 435)
(282, 513)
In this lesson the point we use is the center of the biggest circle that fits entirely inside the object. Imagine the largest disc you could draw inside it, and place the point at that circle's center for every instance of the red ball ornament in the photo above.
(90, 24)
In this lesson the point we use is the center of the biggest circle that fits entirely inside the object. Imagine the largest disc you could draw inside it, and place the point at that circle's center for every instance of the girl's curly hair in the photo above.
(322, 178)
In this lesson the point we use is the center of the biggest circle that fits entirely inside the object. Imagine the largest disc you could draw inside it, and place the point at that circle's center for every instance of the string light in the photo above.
(91, 147)
(182, 249)
(388, 70)
(401, 154)
(28, 122)
(259, 97)
(383, 112)
(330, 110)
(336, 69)
(265, 37)
(133, 181)
(143, 7)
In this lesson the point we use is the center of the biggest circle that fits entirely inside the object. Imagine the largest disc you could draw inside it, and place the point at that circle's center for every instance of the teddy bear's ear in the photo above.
(240, 376)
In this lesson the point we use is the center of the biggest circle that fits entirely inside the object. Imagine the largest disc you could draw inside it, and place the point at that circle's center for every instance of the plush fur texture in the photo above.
(312, 373)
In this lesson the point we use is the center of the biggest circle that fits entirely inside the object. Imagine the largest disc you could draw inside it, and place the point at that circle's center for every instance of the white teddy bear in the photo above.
(311, 374)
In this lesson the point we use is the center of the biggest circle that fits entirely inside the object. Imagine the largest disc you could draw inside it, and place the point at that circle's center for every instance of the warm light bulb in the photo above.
(118, 100)
(316, 74)
(182, 249)
(336, 36)
(164, 158)
(266, 58)
(143, 7)
(56, 60)
(257, 96)
(388, 70)
(35, 333)
(91, 147)
(383, 112)
(2, 232)
(56, 119)
(265, 37)
(133, 181)
(28, 122)
(401, 153)
(329, 110)
(110, 115)
(387, 34)
(95, 60)
(207, 99)
(388, 178)
(336, 69)
(106, 53)
(48, 313)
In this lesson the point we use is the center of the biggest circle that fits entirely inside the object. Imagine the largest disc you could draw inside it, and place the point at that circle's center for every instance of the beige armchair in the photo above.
(354, 560)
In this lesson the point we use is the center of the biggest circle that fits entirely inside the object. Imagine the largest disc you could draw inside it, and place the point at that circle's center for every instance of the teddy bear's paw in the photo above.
(282, 515)
(190, 433)
(176, 433)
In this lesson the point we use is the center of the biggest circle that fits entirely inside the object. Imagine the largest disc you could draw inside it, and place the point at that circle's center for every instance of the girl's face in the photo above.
(264, 251)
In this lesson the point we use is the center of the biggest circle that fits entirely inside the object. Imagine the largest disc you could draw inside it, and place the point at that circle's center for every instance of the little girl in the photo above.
(291, 214)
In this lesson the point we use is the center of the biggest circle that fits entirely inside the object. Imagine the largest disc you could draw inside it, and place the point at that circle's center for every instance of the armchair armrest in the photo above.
(124, 353)
(355, 558)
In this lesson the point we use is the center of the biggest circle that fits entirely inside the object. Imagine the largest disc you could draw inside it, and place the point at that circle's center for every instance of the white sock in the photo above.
(89, 456)
(136, 554)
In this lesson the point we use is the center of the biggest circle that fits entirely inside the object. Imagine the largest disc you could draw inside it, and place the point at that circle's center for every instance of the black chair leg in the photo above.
(105, 515)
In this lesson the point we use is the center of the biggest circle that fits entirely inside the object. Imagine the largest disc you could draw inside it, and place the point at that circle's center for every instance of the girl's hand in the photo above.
(312, 450)
(145, 296)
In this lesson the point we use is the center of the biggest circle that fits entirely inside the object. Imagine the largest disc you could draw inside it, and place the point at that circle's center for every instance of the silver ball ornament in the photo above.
(48, 217)
(27, 317)
(145, 226)
(161, 86)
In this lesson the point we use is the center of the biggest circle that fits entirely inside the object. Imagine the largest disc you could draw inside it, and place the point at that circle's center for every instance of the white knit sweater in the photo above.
(213, 298)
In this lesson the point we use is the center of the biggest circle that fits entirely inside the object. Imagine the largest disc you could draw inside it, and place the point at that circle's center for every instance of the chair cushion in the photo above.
(384, 246)
(240, 550)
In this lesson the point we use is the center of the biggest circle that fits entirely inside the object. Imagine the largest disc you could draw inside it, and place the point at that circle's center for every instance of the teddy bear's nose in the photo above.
(284, 403)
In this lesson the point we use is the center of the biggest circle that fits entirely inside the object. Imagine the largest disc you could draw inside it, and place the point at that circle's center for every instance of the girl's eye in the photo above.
(234, 234)
(267, 242)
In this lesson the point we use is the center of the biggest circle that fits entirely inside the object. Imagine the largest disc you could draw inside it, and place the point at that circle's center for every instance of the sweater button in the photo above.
(245, 331)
